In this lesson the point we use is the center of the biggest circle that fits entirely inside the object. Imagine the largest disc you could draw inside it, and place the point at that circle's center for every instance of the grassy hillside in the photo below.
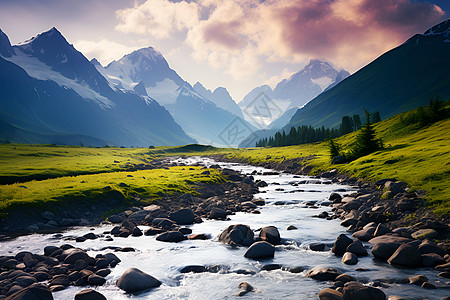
(418, 156)
(45, 174)
(21, 162)
(148, 184)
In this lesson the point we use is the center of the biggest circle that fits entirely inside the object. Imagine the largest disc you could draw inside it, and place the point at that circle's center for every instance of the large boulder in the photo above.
(237, 235)
(217, 213)
(163, 223)
(171, 236)
(183, 216)
(35, 291)
(270, 234)
(384, 250)
(357, 291)
(381, 230)
(357, 248)
(389, 239)
(406, 256)
(349, 258)
(260, 250)
(335, 197)
(330, 294)
(427, 233)
(364, 234)
(430, 247)
(70, 256)
(134, 280)
(323, 274)
(432, 259)
(89, 294)
(341, 244)
(138, 216)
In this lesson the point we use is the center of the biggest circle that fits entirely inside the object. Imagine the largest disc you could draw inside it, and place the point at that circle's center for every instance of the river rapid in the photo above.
(164, 260)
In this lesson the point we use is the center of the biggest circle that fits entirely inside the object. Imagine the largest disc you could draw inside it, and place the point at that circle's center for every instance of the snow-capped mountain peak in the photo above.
(146, 65)
(6, 49)
(49, 39)
(296, 90)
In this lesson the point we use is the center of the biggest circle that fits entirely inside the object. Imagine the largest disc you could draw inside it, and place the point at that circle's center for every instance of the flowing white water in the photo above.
(164, 260)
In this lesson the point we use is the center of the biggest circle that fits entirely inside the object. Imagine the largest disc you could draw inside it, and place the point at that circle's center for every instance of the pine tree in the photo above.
(346, 125)
(366, 141)
(333, 148)
(356, 123)
(376, 117)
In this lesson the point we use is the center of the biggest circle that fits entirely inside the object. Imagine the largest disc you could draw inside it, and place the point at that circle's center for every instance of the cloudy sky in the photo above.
(238, 44)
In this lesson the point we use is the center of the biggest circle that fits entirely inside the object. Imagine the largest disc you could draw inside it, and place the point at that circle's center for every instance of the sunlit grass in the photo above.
(148, 184)
(20, 162)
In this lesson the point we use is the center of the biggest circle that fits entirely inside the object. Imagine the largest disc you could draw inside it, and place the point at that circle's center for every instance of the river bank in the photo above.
(386, 200)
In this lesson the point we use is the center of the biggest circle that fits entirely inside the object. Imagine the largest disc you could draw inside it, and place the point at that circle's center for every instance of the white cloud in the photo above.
(274, 80)
(160, 18)
(103, 50)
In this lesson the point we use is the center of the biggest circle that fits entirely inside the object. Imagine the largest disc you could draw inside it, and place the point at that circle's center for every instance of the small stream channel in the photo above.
(164, 260)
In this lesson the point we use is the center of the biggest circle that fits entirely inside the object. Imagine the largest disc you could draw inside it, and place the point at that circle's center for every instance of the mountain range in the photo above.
(50, 93)
(203, 114)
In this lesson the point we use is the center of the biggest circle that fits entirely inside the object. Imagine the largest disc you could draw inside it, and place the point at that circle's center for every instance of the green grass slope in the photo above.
(44, 175)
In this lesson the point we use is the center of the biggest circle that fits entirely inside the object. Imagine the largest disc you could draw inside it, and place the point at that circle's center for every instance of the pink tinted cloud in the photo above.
(403, 16)
(224, 34)
(347, 32)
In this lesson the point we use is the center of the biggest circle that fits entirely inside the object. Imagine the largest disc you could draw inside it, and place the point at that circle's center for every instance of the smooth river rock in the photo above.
(341, 244)
(406, 256)
(237, 235)
(357, 291)
(171, 236)
(270, 234)
(349, 258)
(260, 250)
(330, 294)
(134, 280)
(89, 294)
(323, 274)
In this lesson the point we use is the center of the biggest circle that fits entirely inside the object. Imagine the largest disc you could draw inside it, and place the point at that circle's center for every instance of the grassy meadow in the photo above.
(46, 174)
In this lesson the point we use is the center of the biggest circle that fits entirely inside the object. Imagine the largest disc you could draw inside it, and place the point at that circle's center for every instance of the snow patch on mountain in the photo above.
(323, 82)
(165, 92)
(39, 70)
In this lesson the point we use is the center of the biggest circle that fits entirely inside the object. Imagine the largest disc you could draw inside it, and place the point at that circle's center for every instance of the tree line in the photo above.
(308, 134)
